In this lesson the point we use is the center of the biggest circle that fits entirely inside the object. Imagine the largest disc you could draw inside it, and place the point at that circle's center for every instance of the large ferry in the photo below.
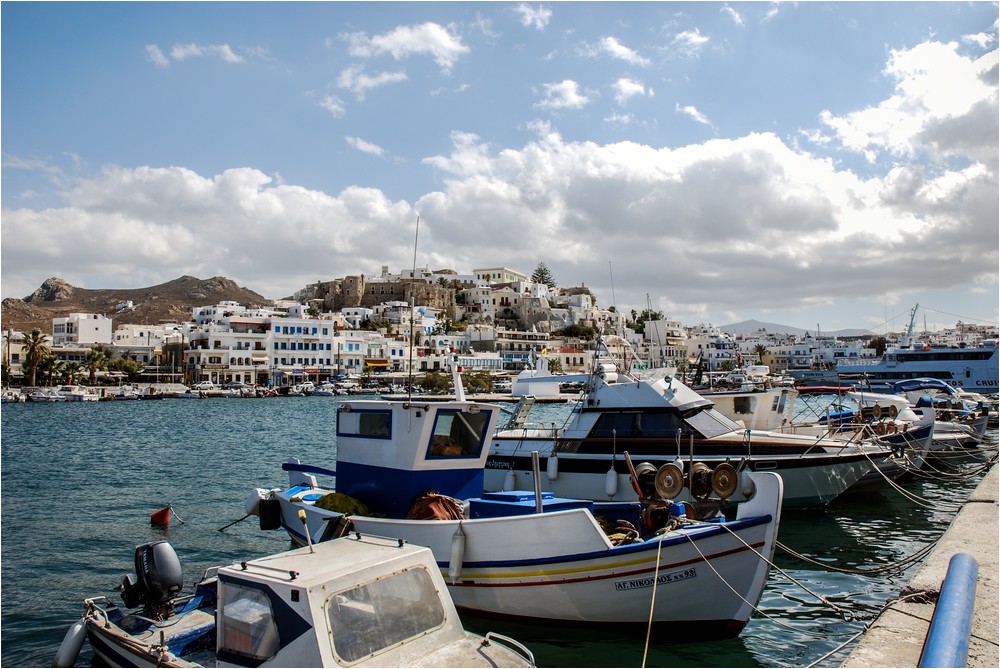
(973, 368)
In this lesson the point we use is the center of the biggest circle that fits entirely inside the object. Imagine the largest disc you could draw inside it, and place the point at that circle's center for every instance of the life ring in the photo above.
(876, 412)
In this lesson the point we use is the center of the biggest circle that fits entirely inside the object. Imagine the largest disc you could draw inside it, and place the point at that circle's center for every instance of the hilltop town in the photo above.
(496, 320)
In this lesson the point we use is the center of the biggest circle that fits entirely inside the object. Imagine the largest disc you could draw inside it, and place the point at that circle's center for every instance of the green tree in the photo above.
(435, 382)
(543, 275)
(579, 331)
(879, 344)
(760, 351)
(52, 367)
(96, 359)
(72, 371)
(638, 320)
(36, 348)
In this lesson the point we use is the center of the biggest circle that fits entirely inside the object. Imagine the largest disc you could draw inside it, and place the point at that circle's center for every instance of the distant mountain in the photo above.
(168, 302)
(747, 327)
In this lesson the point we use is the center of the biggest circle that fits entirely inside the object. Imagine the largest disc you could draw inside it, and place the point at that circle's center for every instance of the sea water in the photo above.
(80, 480)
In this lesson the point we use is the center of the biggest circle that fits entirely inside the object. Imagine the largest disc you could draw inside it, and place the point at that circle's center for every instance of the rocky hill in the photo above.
(167, 302)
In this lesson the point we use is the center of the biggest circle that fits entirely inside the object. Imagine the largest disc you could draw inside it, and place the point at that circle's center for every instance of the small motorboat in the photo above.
(363, 601)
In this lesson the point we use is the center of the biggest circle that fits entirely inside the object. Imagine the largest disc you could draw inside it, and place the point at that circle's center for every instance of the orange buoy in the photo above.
(161, 517)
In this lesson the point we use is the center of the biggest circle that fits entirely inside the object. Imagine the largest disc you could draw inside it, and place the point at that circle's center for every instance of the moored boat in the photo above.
(360, 602)
(414, 470)
(662, 420)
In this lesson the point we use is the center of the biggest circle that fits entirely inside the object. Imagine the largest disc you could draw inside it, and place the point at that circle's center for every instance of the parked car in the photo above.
(203, 385)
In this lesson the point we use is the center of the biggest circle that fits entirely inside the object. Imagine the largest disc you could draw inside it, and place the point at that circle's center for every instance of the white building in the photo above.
(78, 329)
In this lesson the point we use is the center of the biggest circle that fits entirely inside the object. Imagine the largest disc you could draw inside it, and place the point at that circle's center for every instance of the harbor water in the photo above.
(80, 480)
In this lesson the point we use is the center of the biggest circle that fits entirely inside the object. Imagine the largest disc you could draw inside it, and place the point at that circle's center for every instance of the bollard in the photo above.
(947, 642)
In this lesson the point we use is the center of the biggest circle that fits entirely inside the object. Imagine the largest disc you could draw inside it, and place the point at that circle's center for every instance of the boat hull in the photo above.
(560, 566)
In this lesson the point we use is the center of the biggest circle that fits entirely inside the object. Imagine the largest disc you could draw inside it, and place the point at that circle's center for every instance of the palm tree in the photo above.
(53, 367)
(72, 371)
(94, 360)
(36, 347)
(760, 350)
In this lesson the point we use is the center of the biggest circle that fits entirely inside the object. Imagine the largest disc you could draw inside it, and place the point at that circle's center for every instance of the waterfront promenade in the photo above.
(896, 638)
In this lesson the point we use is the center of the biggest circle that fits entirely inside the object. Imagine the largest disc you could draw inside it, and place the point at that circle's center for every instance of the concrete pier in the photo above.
(896, 638)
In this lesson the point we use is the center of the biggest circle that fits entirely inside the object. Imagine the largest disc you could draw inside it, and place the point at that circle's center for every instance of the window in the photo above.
(246, 622)
(458, 434)
(375, 424)
(372, 617)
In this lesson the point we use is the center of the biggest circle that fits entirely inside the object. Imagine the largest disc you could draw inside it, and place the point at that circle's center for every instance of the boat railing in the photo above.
(490, 637)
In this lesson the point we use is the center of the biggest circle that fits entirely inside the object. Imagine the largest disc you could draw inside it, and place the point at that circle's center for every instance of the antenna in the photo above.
(409, 370)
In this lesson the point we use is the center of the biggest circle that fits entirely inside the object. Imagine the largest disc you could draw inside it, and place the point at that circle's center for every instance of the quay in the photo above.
(897, 637)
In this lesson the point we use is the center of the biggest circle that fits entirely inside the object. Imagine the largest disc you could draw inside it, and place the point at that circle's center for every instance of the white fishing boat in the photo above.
(529, 556)
(660, 421)
(77, 393)
(359, 602)
(46, 395)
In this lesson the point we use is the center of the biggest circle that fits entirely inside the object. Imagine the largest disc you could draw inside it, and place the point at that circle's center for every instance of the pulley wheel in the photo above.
(876, 412)
(725, 480)
(701, 481)
(669, 481)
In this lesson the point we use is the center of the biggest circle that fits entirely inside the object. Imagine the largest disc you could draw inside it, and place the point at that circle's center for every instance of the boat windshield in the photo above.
(710, 423)
(458, 433)
(372, 617)
(246, 623)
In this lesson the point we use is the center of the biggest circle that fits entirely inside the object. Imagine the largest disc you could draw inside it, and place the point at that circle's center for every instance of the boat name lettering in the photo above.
(662, 579)
(493, 463)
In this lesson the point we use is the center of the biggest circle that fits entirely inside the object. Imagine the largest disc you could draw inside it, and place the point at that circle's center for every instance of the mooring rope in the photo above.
(755, 608)
(652, 603)
(899, 565)
(786, 574)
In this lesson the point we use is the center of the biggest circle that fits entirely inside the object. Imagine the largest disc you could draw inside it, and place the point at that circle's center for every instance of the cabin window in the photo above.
(366, 423)
(744, 405)
(458, 434)
(246, 623)
(372, 617)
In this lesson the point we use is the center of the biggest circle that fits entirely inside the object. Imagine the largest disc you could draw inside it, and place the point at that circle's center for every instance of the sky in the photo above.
(813, 164)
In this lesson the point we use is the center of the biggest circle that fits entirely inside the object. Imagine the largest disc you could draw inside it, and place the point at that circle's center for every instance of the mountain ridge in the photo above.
(750, 326)
(172, 301)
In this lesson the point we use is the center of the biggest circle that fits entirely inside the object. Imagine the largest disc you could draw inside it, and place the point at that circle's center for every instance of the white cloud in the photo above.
(191, 50)
(358, 82)
(156, 56)
(564, 95)
(938, 91)
(692, 112)
(365, 147)
(689, 43)
(533, 18)
(626, 89)
(612, 47)
(334, 105)
(728, 10)
(405, 41)
(155, 217)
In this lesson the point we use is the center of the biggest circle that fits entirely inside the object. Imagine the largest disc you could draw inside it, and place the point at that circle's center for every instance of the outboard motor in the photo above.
(158, 576)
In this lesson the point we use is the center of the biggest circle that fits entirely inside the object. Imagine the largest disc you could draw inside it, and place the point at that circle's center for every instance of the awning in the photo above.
(259, 357)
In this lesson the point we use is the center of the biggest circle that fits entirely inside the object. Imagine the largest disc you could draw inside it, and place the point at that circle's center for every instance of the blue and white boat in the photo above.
(415, 470)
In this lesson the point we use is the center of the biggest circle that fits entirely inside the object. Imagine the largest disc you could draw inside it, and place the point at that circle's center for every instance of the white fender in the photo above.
(611, 482)
(252, 503)
(71, 644)
(457, 554)
(552, 467)
(508, 480)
